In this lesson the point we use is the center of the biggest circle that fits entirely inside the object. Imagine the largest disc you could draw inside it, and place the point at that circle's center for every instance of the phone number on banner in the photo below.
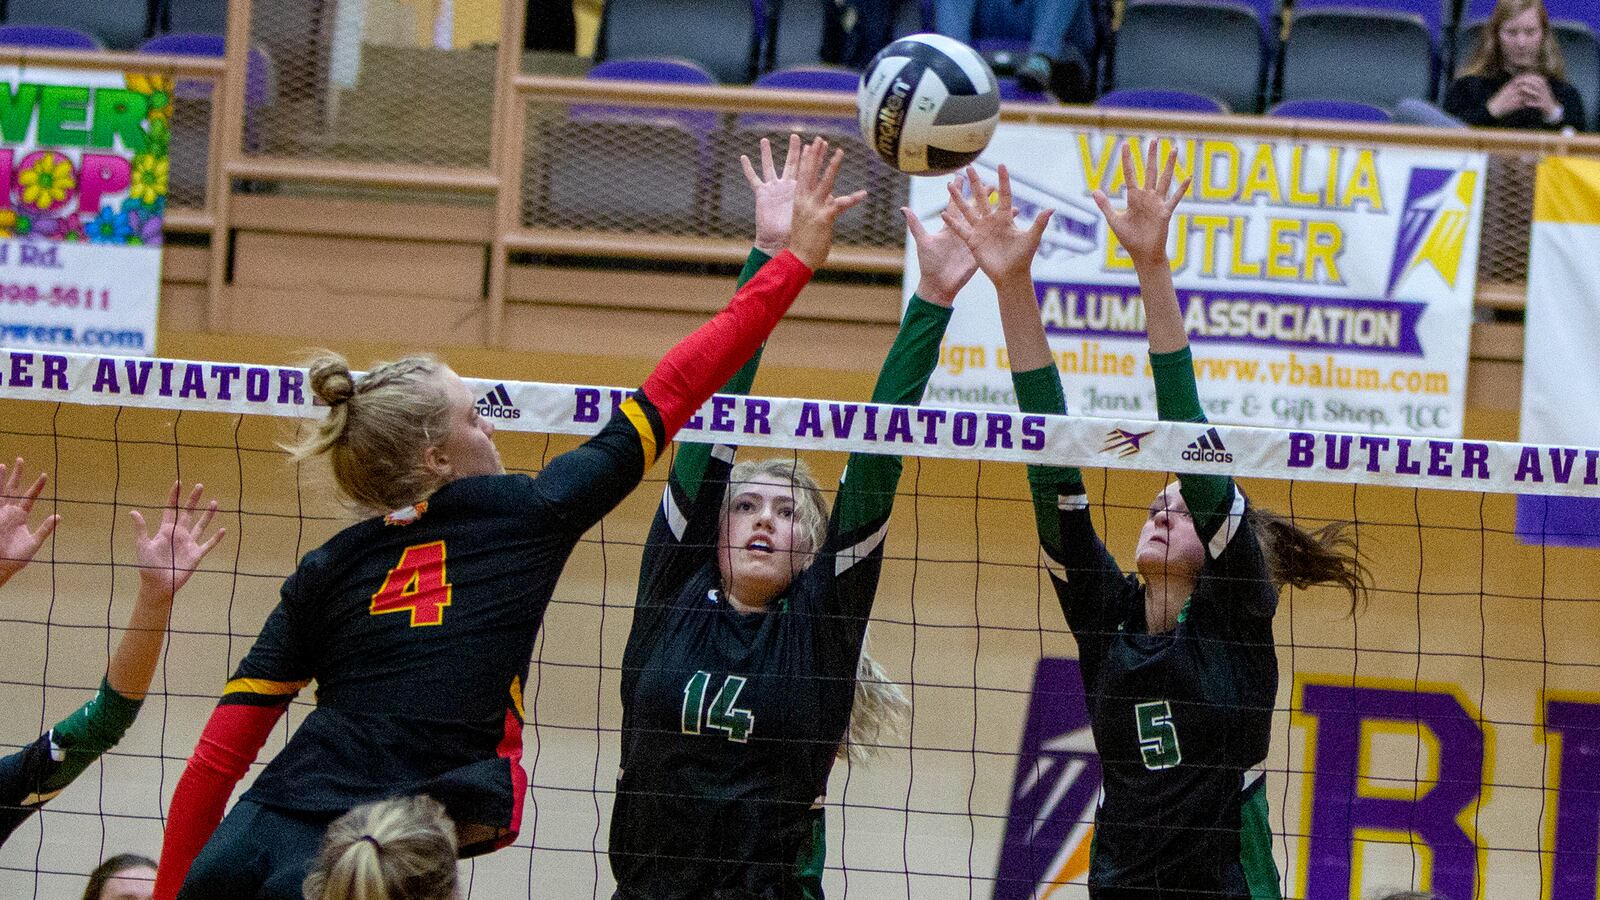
(56, 296)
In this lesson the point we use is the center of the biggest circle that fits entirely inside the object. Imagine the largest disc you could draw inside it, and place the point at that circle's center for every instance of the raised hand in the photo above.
(1002, 250)
(944, 259)
(774, 195)
(18, 543)
(1143, 226)
(168, 556)
(816, 209)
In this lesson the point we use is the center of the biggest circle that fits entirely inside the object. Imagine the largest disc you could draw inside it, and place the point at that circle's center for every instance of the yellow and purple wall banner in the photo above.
(1561, 357)
(1323, 286)
(83, 170)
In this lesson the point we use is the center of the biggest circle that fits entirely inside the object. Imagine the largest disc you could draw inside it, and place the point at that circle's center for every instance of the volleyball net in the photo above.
(1440, 738)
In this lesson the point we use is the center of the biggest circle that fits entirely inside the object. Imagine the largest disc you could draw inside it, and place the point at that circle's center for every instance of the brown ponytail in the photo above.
(1304, 558)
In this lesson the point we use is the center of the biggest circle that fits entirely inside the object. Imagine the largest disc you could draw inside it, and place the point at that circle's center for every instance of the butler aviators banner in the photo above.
(1323, 286)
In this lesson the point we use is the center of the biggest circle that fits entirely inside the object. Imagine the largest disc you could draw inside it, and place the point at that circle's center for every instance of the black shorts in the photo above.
(257, 853)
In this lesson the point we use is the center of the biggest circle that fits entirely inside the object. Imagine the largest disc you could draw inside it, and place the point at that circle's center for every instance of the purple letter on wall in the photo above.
(1053, 795)
(1577, 840)
(1339, 807)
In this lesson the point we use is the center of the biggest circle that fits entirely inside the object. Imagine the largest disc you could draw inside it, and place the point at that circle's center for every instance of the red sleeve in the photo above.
(693, 370)
(228, 745)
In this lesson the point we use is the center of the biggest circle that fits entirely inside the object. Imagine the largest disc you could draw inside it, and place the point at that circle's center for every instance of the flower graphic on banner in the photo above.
(14, 225)
(149, 178)
(157, 90)
(47, 180)
(109, 227)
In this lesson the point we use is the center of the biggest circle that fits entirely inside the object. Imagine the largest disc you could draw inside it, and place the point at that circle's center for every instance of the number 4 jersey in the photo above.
(417, 627)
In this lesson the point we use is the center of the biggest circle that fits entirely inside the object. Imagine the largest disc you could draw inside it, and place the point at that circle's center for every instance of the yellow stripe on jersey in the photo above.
(641, 424)
(516, 697)
(264, 686)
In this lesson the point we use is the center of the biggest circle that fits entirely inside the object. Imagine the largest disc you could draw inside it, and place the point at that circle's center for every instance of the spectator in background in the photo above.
(1516, 78)
(1060, 36)
(126, 876)
(550, 26)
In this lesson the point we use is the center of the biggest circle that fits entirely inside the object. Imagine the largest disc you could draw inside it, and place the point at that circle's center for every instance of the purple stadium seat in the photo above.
(1336, 110)
(734, 209)
(195, 15)
(806, 78)
(258, 86)
(1431, 12)
(723, 36)
(662, 71)
(117, 24)
(55, 37)
(1012, 92)
(1152, 98)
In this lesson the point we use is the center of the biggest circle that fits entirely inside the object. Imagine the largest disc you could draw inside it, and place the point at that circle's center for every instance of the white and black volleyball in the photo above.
(928, 104)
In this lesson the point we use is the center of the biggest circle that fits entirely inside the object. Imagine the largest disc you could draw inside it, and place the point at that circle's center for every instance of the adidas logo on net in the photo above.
(1207, 448)
(496, 404)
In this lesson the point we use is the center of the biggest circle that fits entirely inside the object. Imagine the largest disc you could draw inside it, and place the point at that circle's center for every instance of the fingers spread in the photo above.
(768, 172)
(832, 173)
(205, 517)
(914, 224)
(840, 204)
(1104, 203)
(791, 160)
(1175, 199)
(749, 173)
(47, 528)
(1040, 223)
(143, 533)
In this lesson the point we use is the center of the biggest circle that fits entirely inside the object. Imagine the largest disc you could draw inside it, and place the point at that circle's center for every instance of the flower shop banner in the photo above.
(83, 159)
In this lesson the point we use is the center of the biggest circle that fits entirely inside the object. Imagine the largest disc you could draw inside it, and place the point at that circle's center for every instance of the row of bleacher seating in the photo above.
(1234, 51)
(1407, 49)
(120, 24)
(691, 157)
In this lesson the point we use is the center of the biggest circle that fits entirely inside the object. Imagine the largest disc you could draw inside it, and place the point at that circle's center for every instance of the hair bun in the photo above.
(331, 380)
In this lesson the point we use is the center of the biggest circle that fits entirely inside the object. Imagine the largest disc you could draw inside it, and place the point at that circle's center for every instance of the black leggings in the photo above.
(257, 853)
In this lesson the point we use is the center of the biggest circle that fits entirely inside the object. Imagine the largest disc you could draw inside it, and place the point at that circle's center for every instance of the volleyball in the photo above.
(928, 104)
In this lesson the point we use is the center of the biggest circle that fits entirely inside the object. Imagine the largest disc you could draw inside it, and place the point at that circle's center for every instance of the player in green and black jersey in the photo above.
(1178, 663)
(34, 775)
(739, 681)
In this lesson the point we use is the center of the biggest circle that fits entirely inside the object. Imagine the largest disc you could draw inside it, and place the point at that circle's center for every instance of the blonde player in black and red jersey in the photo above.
(745, 670)
(417, 624)
(1179, 667)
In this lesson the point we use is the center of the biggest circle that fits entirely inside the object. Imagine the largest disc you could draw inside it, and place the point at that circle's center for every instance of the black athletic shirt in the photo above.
(731, 721)
(1181, 720)
(417, 628)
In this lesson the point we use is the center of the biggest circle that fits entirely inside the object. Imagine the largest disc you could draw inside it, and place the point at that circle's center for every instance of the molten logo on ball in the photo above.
(928, 104)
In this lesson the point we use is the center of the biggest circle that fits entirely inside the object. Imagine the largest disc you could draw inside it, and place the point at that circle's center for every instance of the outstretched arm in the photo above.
(1085, 577)
(586, 483)
(1142, 229)
(166, 560)
(866, 498)
(1006, 254)
(773, 192)
(18, 543)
